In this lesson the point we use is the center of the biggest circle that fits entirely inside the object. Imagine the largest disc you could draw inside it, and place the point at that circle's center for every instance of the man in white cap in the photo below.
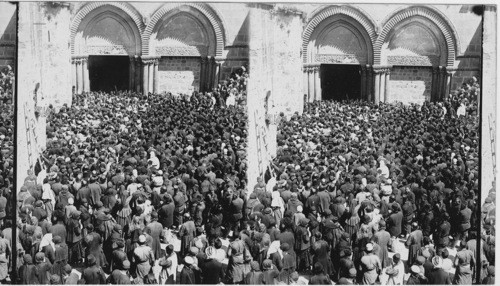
(70, 208)
(298, 215)
(414, 278)
(213, 270)
(438, 276)
(187, 273)
(143, 258)
(370, 266)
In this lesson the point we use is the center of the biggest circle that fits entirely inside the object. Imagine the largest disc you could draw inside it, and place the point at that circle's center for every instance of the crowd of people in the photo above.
(129, 177)
(152, 190)
(366, 179)
(7, 207)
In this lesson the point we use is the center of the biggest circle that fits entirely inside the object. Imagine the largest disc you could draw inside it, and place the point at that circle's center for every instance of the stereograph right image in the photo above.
(251, 143)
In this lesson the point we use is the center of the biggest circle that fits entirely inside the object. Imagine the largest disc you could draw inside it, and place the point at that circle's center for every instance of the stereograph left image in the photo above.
(124, 107)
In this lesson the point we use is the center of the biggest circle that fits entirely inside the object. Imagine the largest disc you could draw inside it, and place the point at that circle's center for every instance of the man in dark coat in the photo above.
(43, 268)
(166, 212)
(187, 275)
(93, 274)
(394, 221)
(438, 276)
(27, 271)
(120, 275)
(302, 245)
(212, 269)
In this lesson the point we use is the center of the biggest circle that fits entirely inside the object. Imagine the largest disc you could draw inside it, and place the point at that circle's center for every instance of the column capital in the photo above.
(204, 60)
(380, 69)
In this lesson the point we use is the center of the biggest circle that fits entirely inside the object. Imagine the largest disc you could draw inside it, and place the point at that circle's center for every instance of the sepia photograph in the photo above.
(248, 143)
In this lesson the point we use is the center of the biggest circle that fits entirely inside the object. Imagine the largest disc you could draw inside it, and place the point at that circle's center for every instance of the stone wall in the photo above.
(259, 86)
(8, 22)
(179, 74)
(275, 83)
(489, 148)
(410, 84)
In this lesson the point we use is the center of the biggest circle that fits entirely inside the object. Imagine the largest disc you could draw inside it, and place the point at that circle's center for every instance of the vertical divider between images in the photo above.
(13, 277)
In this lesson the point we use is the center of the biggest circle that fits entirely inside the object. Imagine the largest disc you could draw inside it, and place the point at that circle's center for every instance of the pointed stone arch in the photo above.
(357, 16)
(207, 11)
(134, 15)
(444, 25)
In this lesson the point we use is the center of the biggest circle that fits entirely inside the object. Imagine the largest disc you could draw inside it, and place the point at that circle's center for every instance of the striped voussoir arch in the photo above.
(443, 24)
(85, 10)
(331, 11)
(214, 19)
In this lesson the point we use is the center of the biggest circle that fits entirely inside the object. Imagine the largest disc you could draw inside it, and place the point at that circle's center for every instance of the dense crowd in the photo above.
(152, 190)
(128, 177)
(7, 207)
(363, 180)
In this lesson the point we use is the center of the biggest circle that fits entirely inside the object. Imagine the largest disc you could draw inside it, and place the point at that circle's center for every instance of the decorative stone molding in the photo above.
(413, 60)
(439, 20)
(85, 10)
(340, 58)
(349, 11)
(79, 59)
(205, 9)
(107, 50)
(186, 51)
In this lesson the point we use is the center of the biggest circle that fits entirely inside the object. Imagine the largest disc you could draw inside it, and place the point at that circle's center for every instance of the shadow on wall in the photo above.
(238, 52)
(470, 64)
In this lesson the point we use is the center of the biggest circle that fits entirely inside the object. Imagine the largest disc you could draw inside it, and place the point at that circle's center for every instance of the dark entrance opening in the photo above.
(340, 82)
(108, 73)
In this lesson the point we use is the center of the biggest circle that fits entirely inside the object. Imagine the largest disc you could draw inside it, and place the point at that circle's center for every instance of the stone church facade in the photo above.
(388, 52)
(144, 47)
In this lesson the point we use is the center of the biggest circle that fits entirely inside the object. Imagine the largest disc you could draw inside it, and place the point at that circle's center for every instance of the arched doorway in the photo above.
(416, 48)
(106, 39)
(337, 50)
(184, 39)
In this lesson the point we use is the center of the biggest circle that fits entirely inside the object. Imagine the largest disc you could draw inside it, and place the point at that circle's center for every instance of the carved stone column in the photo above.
(85, 71)
(441, 82)
(310, 83)
(203, 71)
(156, 81)
(434, 84)
(218, 66)
(145, 76)
(211, 73)
(376, 74)
(369, 83)
(362, 91)
(317, 83)
(305, 87)
(137, 74)
(151, 76)
(387, 84)
(382, 85)
(74, 76)
(79, 76)
(449, 80)
(131, 68)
